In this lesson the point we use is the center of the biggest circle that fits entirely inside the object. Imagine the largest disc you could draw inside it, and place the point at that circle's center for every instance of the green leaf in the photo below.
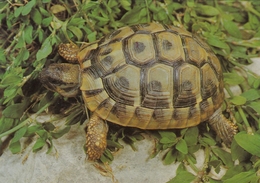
(251, 94)
(182, 146)
(38, 144)
(2, 56)
(46, 21)
(131, 16)
(19, 134)
(14, 111)
(32, 129)
(125, 4)
(15, 147)
(76, 31)
(18, 11)
(206, 10)
(191, 136)
(28, 34)
(11, 79)
(6, 124)
(167, 134)
(249, 142)
(48, 126)
(61, 132)
(232, 28)
(238, 153)
(107, 156)
(224, 156)
(233, 171)
(238, 100)
(255, 106)
(36, 16)
(170, 157)
(57, 8)
(92, 36)
(45, 50)
(215, 41)
(182, 176)
(28, 7)
(242, 177)
(233, 78)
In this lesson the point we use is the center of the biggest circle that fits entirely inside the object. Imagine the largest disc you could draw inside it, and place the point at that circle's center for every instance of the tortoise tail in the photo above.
(224, 128)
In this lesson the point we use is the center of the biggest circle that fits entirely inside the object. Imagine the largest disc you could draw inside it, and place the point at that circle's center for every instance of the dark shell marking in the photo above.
(152, 76)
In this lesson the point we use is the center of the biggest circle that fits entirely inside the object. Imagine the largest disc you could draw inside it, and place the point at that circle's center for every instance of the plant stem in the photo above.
(29, 120)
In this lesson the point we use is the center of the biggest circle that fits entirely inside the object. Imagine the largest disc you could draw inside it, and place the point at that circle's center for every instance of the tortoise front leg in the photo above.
(96, 137)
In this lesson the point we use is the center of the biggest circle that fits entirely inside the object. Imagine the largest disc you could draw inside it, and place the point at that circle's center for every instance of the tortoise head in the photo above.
(63, 78)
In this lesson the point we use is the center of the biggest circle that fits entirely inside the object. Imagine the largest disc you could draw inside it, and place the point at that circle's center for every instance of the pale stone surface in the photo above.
(68, 163)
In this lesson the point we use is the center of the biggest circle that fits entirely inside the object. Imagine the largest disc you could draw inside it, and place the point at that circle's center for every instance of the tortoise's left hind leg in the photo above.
(96, 137)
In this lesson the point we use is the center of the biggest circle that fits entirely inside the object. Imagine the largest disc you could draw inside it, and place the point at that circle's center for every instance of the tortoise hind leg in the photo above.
(96, 137)
(224, 128)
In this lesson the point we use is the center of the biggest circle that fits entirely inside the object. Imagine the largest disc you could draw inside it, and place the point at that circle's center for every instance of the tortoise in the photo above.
(149, 76)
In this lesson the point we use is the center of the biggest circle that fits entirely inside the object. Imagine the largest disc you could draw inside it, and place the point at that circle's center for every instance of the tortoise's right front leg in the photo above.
(96, 137)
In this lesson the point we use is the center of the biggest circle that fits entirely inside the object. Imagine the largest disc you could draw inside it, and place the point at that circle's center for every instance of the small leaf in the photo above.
(182, 176)
(61, 132)
(170, 157)
(48, 126)
(76, 31)
(233, 78)
(169, 135)
(19, 134)
(45, 50)
(125, 4)
(224, 156)
(191, 136)
(107, 157)
(238, 153)
(6, 124)
(38, 144)
(182, 146)
(28, 34)
(233, 171)
(15, 147)
(249, 142)
(57, 8)
(215, 41)
(36, 16)
(131, 16)
(255, 106)
(251, 94)
(14, 111)
(206, 10)
(32, 129)
(11, 79)
(232, 28)
(242, 177)
(166, 140)
(18, 11)
(28, 7)
(46, 21)
(238, 100)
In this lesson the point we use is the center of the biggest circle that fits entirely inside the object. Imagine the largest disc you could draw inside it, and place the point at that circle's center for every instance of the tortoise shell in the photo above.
(151, 76)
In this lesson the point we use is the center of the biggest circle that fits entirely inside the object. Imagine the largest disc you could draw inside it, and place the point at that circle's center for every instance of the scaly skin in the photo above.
(96, 137)
(224, 128)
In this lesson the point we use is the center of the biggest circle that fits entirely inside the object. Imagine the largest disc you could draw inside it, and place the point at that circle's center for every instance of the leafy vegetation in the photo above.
(31, 31)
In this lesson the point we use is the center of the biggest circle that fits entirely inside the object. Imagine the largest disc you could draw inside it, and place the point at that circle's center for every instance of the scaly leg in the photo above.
(96, 137)
(224, 128)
